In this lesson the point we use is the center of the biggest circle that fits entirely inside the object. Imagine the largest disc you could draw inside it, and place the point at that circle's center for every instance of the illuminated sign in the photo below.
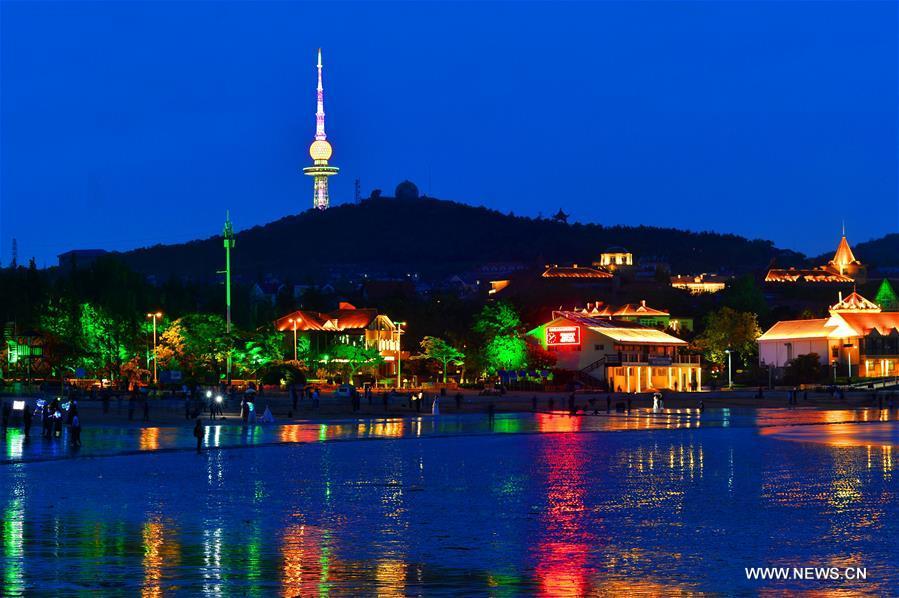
(563, 335)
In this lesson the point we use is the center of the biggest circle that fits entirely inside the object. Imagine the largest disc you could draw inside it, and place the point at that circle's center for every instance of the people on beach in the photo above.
(198, 433)
(75, 429)
(26, 421)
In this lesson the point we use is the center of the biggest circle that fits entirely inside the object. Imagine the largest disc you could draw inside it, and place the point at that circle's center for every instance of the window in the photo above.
(599, 347)
(835, 352)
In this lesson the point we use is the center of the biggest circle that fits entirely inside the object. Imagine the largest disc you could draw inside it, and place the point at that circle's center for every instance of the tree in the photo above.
(743, 294)
(886, 297)
(355, 357)
(497, 318)
(505, 352)
(539, 358)
(441, 351)
(197, 344)
(805, 369)
(728, 328)
(503, 347)
(257, 350)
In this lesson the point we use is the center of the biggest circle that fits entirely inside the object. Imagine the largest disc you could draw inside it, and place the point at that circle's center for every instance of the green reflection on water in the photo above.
(13, 548)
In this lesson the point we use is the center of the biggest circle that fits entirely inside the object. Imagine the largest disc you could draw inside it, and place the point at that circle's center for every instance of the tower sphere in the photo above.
(320, 150)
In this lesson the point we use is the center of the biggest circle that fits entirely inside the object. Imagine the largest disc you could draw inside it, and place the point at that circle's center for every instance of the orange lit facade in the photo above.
(700, 283)
(347, 324)
(622, 354)
(857, 334)
(843, 268)
(615, 258)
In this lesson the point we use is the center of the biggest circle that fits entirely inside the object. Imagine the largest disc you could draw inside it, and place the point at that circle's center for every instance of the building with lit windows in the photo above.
(320, 151)
(700, 284)
(858, 337)
(615, 258)
(620, 353)
(345, 325)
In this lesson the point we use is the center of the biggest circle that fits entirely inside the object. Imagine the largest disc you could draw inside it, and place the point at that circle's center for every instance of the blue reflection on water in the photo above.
(430, 506)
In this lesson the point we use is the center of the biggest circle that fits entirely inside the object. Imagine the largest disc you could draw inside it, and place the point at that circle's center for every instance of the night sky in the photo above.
(125, 124)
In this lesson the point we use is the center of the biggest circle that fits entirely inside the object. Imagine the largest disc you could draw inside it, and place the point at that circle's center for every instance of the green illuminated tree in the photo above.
(886, 297)
(502, 344)
(441, 351)
(498, 318)
(505, 352)
(352, 358)
(257, 350)
(728, 328)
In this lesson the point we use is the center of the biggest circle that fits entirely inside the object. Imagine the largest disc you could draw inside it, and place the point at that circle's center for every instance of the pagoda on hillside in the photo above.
(843, 268)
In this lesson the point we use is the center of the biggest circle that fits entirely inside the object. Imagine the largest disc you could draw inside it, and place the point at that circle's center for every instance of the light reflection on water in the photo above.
(657, 511)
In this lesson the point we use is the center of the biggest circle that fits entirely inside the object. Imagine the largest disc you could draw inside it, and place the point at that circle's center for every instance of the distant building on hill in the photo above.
(699, 284)
(843, 268)
(615, 258)
(79, 258)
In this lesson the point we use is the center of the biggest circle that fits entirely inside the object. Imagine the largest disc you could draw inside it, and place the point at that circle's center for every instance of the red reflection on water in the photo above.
(562, 552)
(304, 567)
(548, 422)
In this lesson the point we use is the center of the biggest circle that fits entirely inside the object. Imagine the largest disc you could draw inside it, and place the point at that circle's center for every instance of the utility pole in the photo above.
(399, 354)
(358, 196)
(154, 316)
(228, 235)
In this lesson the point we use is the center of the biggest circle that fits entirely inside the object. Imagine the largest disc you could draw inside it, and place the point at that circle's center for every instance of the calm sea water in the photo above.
(545, 504)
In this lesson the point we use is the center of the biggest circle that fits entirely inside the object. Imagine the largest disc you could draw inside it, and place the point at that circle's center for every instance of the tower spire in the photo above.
(320, 150)
(320, 106)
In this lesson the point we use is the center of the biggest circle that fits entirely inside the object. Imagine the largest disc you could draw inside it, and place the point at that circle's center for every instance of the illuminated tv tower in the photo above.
(320, 150)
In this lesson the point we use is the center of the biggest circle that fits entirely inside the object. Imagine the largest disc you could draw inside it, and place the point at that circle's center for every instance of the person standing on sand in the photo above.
(26, 421)
(75, 429)
(198, 434)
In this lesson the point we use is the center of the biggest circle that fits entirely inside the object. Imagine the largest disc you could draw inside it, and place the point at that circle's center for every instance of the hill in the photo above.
(387, 236)
(882, 252)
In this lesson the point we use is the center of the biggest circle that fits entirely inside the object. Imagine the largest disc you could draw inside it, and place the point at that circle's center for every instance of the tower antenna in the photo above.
(320, 150)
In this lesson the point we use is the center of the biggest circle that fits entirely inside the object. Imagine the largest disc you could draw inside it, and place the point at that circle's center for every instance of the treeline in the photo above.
(438, 238)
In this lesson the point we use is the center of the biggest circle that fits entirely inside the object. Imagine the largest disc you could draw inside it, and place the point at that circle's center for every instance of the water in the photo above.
(545, 504)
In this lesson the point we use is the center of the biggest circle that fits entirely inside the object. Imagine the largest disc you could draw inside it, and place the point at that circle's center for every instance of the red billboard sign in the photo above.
(563, 335)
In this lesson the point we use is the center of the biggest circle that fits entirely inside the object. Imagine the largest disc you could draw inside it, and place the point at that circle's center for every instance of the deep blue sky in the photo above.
(125, 124)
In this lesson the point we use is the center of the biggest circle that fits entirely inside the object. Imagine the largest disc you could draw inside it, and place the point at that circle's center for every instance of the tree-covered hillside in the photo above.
(437, 237)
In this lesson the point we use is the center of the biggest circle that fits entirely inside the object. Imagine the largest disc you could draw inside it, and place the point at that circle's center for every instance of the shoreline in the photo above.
(170, 411)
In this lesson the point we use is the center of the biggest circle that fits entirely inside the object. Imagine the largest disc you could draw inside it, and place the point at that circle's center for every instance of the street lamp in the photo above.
(848, 347)
(730, 379)
(399, 354)
(294, 337)
(156, 315)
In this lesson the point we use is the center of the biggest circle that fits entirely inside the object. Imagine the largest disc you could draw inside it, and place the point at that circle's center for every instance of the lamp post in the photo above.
(399, 354)
(154, 316)
(294, 338)
(848, 347)
(730, 380)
